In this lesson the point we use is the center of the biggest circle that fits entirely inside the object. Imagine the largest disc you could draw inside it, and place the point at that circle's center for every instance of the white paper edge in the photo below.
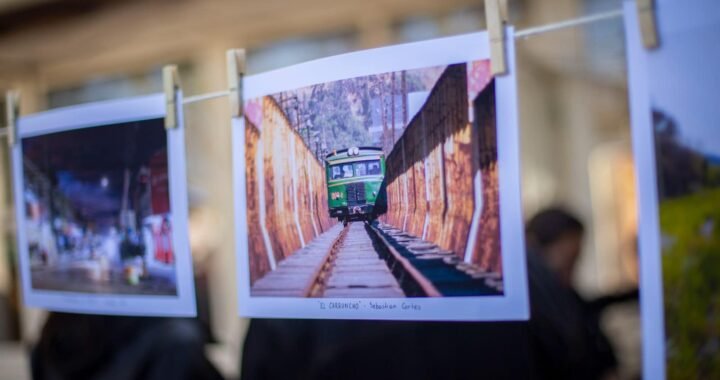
(98, 114)
(651, 286)
(513, 305)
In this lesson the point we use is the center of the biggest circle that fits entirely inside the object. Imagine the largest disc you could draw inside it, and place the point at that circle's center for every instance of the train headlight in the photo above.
(336, 195)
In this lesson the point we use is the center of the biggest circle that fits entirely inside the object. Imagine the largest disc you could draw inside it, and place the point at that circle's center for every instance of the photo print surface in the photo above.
(98, 217)
(378, 195)
(677, 148)
(100, 230)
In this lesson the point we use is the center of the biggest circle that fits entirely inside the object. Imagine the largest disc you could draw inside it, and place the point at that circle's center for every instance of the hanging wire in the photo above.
(204, 97)
(525, 33)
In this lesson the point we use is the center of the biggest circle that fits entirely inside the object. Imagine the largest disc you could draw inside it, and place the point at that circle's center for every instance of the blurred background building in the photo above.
(572, 86)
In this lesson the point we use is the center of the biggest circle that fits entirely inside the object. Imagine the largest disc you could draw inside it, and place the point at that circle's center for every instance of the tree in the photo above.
(338, 114)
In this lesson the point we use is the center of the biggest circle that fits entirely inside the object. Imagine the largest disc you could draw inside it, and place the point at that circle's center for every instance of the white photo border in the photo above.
(100, 114)
(514, 304)
(672, 17)
(651, 298)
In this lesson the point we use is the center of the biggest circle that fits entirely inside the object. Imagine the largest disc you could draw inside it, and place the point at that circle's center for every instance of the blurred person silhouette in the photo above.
(567, 339)
(98, 347)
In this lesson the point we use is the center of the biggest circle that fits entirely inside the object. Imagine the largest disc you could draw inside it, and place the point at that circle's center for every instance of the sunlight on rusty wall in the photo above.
(285, 187)
(431, 170)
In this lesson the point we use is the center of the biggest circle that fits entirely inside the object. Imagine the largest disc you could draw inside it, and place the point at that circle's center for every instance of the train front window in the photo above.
(341, 171)
(373, 167)
(364, 168)
(336, 172)
(355, 169)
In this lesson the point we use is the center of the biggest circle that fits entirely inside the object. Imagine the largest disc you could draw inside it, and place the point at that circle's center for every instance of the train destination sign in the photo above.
(101, 208)
(382, 184)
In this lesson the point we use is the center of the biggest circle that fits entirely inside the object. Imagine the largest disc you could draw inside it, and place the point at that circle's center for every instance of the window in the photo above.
(374, 167)
(347, 170)
(360, 169)
(295, 50)
(355, 169)
(114, 86)
(336, 173)
(342, 171)
(107, 87)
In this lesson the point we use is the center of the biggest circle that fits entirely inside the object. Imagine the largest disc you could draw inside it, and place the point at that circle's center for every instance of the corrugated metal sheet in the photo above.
(286, 181)
(431, 172)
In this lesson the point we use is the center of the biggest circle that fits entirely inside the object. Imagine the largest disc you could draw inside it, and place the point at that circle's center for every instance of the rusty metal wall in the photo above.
(432, 168)
(301, 163)
(258, 257)
(320, 199)
(415, 149)
(487, 243)
(286, 191)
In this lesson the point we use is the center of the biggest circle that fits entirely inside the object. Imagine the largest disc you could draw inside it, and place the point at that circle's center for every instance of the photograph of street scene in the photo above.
(687, 147)
(97, 210)
(379, 186)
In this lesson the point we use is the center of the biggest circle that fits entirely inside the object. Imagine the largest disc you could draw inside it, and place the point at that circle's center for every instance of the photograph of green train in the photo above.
(379, 186)
(355, 181)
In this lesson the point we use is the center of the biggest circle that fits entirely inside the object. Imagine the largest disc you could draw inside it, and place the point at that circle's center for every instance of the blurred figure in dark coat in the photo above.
(96, 347)
(567, 341)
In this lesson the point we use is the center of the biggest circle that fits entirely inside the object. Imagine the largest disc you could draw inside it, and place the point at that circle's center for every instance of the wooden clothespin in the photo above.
(235, 75)
(171, 86)
(496, 13)
(648, 23)
(12, 110)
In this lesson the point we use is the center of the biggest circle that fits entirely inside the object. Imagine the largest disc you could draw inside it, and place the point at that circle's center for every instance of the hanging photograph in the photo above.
(381, 184)
(101, 209)
(676, 139)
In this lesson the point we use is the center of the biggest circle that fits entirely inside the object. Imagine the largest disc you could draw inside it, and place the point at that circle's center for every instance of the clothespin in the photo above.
(235, 74)
(12, 110)
(648, 23)
(171, 86)
(496, 13)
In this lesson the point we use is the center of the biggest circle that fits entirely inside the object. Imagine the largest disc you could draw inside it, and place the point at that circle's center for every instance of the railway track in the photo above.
(355, 269)
(366, 260)
(431, 271)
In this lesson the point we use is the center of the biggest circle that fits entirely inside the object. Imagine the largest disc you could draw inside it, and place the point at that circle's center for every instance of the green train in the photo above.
(356, 183)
